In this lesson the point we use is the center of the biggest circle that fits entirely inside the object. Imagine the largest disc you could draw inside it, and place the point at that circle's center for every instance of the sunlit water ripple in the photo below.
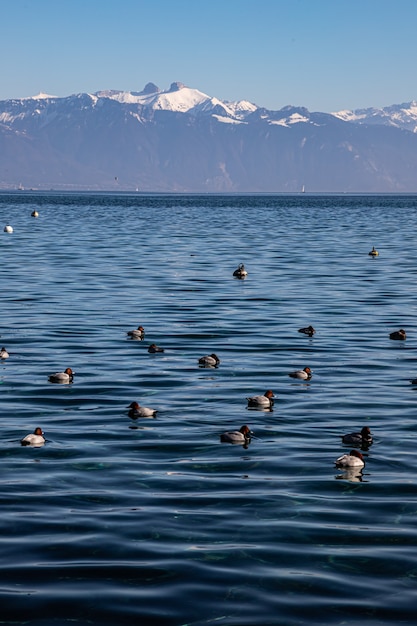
(154, 521)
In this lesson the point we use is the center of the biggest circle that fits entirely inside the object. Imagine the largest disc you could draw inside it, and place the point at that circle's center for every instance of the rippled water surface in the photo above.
(154, 521)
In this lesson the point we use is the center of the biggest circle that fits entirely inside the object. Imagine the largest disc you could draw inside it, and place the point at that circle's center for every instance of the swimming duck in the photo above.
(138, 333)
(211, 360)
(304, 374)
(34, 214)
(413, 381)
(154, 348)
(373, 252)
(62, 377)
(242, 436)
(364, 437)
(240, 272)
(34, 439)
(307, 331)
(8, 228)
(398, 334)
(353, 459)
(135, 411)
(4, 354)
(266, 401)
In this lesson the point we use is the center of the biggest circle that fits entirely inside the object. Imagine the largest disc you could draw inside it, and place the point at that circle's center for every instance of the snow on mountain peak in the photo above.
(40, 96)
(398, 115)
(180, 99)
(176, 98)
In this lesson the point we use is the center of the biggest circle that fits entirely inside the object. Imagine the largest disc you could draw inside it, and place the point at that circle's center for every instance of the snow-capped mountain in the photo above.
(183, 140)
(180, 99)
(398, 115)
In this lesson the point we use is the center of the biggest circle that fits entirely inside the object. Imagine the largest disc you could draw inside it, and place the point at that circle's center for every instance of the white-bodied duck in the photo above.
(241, 436)
(304, 374)
(35, 439)
(62, 377)
(353, 459)
(137, 333)
(135, 411)
(266, 401)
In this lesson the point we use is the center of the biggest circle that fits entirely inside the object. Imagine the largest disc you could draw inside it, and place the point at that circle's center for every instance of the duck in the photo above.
(413, 381)
(353, 459)
(154, 348)
(398, 334)
(34, 214)
(304, 374)
(242, 436)
(309, 330)
(240, 272)
(359, 438)
(62, 377)
(373, 252)
(135, 411)
(4, 354)
(211, 360)
(137, 333)
(34, 439)
(266, 401)
(8, 228)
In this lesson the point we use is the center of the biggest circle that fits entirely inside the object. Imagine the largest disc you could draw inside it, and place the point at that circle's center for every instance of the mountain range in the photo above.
(182, 140)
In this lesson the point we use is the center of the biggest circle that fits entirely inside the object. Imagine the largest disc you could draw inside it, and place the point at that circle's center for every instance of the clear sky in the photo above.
(326, 55)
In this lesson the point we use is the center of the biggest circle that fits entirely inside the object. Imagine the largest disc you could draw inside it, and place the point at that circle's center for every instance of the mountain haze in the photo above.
(182, 140)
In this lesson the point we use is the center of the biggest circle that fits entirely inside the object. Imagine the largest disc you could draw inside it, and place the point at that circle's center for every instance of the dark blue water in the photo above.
(154, 521)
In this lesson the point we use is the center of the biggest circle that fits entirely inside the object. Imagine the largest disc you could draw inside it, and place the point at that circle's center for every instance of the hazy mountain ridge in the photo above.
(183, 140)
(403, 116)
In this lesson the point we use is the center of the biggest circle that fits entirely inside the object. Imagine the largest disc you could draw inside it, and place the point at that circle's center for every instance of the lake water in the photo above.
(154, 521)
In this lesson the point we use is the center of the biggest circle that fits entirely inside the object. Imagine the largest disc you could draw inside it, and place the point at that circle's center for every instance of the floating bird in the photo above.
(138, 333)
(398, 334)
(62, 377)
(373, 252)
(4, 354)
(304, 374)
(8, 229)
(242, 436)
(135, 411)
(35, 439)
(266, 401)
(211, 360)
(34, 214)
(364, 437)
(240, 272)
(413, 381)
(154, 348)
(307, 331)
(353, 459)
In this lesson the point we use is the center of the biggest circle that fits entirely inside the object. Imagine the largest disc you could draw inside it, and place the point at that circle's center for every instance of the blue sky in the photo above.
(326, 55)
